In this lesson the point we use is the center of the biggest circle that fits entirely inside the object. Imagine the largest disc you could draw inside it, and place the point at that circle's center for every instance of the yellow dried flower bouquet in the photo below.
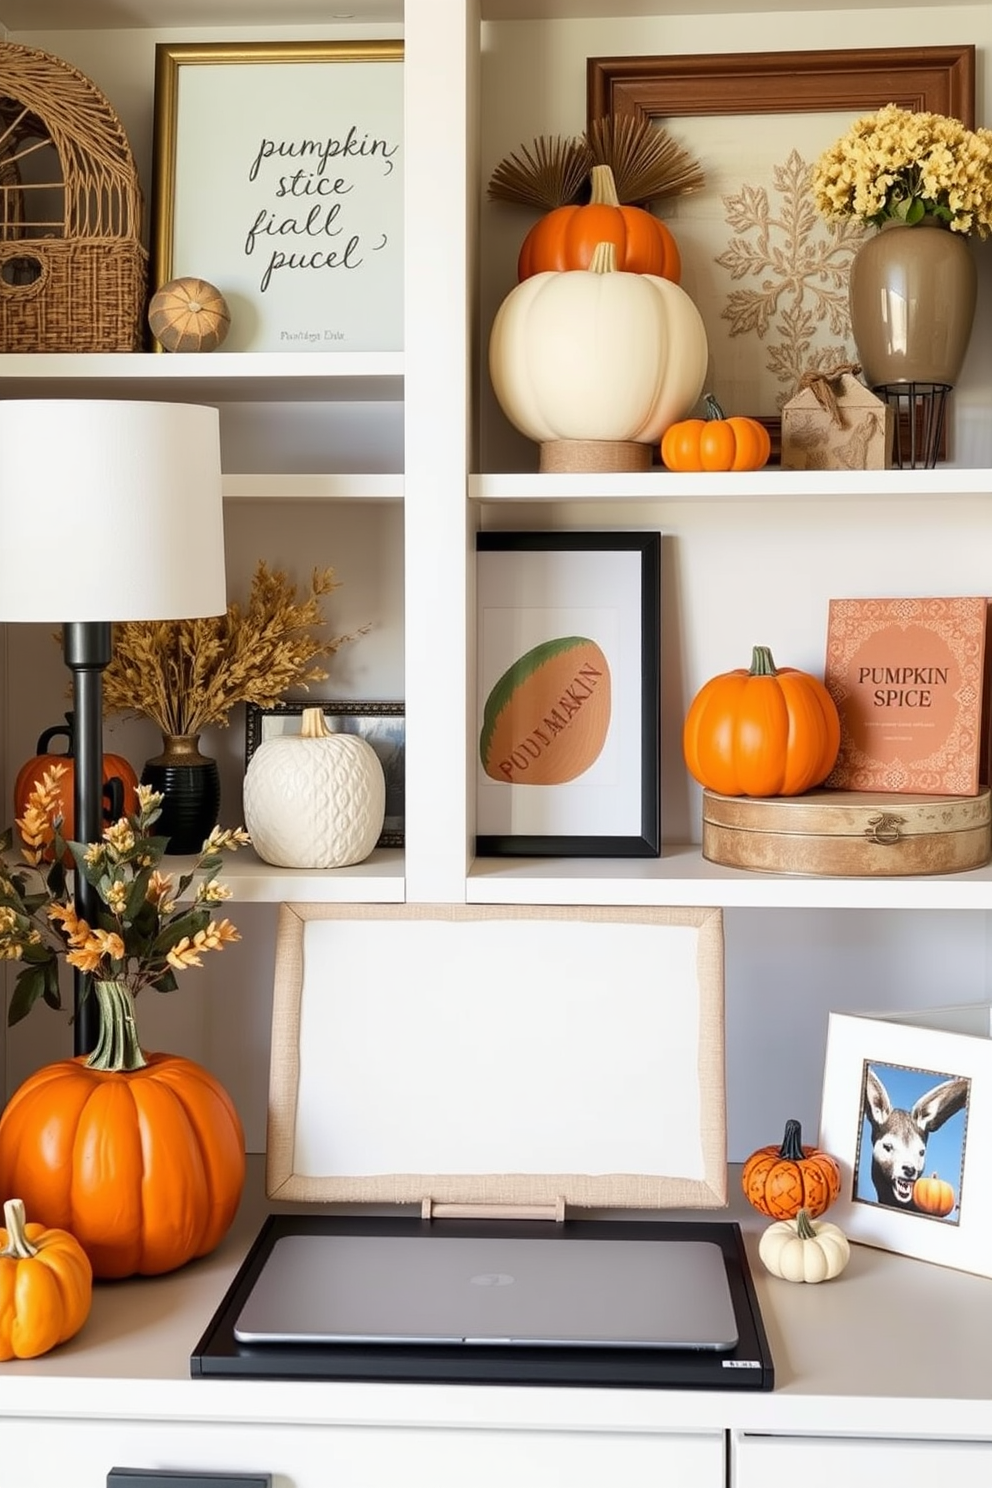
(898, 165)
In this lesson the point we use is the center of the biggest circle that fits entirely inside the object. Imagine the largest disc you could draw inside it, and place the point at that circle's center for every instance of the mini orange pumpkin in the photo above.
(567, 237)
(763, 731)
(46, 1286)
(779, 1181)
(716, 442)
(933, 1195)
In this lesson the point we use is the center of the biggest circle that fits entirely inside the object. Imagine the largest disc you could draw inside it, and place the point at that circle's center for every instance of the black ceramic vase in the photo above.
(190, 785)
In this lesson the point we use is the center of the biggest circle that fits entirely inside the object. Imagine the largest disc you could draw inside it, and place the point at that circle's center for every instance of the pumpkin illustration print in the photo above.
(547, 717)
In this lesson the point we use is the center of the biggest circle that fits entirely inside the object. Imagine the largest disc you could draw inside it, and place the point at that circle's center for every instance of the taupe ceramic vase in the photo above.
(912, 299)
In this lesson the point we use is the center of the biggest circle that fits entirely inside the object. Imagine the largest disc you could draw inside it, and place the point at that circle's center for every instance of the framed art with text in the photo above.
(567, 756)
(279, 179)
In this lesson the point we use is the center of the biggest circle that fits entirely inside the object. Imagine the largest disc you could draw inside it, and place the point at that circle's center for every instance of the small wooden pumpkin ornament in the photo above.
(804, 1249)
(762, 731)
(716, 442)
(779, 1181)
(46, 1286)
(934, 1196)
(315, 799)
(189, 314)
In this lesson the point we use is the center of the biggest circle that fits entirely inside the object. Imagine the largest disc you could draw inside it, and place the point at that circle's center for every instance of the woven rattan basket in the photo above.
(73, 272)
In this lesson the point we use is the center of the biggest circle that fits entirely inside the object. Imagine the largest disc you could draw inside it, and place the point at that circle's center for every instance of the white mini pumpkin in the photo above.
(315, 799)
(804, 1249)
(593, 354)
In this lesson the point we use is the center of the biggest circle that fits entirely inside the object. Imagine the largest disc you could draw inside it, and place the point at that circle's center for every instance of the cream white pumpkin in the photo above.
(804, 1249)
(314, 799)
(593, 354)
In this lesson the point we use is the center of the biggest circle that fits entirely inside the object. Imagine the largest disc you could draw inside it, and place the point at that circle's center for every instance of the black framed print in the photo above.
(381, 724)
(568, 698)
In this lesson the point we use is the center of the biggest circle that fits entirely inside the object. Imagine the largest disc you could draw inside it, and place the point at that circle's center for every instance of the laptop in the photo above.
(543, 1291)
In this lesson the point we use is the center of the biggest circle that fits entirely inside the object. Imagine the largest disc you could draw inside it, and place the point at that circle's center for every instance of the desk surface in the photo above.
(828, 1342)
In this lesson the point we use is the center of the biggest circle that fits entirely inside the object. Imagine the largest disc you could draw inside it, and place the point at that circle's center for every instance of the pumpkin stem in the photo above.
(604, 259)
(117, 1045)
(713, 409)
(313, 725)
(18, 1245)
(804, 1225)
(763, 665)
(603, 187)
(792, 1143)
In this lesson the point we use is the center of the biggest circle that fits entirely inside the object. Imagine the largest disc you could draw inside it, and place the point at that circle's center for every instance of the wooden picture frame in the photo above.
(278, 179)
(444, 1078)
(569, 694)
(929, 1075)
(936, 79)
(381, 724)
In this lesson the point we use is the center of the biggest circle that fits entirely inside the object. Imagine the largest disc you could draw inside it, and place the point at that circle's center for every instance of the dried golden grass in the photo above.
(187, 674)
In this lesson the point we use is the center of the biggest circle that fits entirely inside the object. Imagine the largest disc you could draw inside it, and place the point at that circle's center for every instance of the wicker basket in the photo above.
(73, 272)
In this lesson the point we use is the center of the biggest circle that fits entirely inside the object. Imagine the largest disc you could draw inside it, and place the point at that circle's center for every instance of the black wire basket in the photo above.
(919, 421)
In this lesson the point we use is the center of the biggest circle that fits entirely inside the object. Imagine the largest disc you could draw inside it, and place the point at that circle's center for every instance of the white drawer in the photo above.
(56, 1454)
(858, 1462)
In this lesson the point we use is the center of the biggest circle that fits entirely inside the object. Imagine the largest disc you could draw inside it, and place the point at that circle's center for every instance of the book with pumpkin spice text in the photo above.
(910, 678)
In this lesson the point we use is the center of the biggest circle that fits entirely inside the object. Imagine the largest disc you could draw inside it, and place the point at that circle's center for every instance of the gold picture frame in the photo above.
(278, 179)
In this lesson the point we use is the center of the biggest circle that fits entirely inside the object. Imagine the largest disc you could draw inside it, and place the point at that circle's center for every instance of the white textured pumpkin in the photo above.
(594, 354)
(315, 799)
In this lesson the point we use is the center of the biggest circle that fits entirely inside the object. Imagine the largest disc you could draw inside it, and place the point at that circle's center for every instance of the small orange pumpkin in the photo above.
(779, 1181)
(933, 1195)
(716, 442)
(567, 237)
(763, 731)
(46, 1286)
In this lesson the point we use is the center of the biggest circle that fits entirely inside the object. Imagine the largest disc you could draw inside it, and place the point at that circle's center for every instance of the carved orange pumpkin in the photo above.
(933, 1196)
(566, 238)
(779, 1181)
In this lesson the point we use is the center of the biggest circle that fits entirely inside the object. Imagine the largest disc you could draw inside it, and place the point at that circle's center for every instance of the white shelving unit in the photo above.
(385, 467)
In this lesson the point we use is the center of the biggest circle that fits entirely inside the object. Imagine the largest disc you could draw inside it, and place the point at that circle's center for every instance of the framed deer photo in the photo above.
(907, 1111)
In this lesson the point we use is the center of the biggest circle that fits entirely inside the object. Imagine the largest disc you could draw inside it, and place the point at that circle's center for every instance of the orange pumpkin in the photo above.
(46, 1286)
(779, 1181)
(119, 799)
(933, 1196)
(716, 442)
(566, 238)
(763, 731)
(145, 1166)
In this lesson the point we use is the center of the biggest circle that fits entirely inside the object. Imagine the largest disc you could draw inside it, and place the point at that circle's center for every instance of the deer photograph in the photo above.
(902, 1111)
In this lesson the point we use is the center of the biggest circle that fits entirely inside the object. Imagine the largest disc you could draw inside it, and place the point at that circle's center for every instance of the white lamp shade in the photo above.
(110, 510)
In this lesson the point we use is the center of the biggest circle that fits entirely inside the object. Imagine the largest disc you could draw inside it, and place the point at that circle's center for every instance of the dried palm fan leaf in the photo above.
(551, 173)
(646, 162)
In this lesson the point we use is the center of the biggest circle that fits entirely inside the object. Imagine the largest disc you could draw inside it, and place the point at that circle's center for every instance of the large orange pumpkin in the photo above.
(763, 731)
(716, 442)
(779, 1181)
(120, 799)
(566, 238)
(145, 1166)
